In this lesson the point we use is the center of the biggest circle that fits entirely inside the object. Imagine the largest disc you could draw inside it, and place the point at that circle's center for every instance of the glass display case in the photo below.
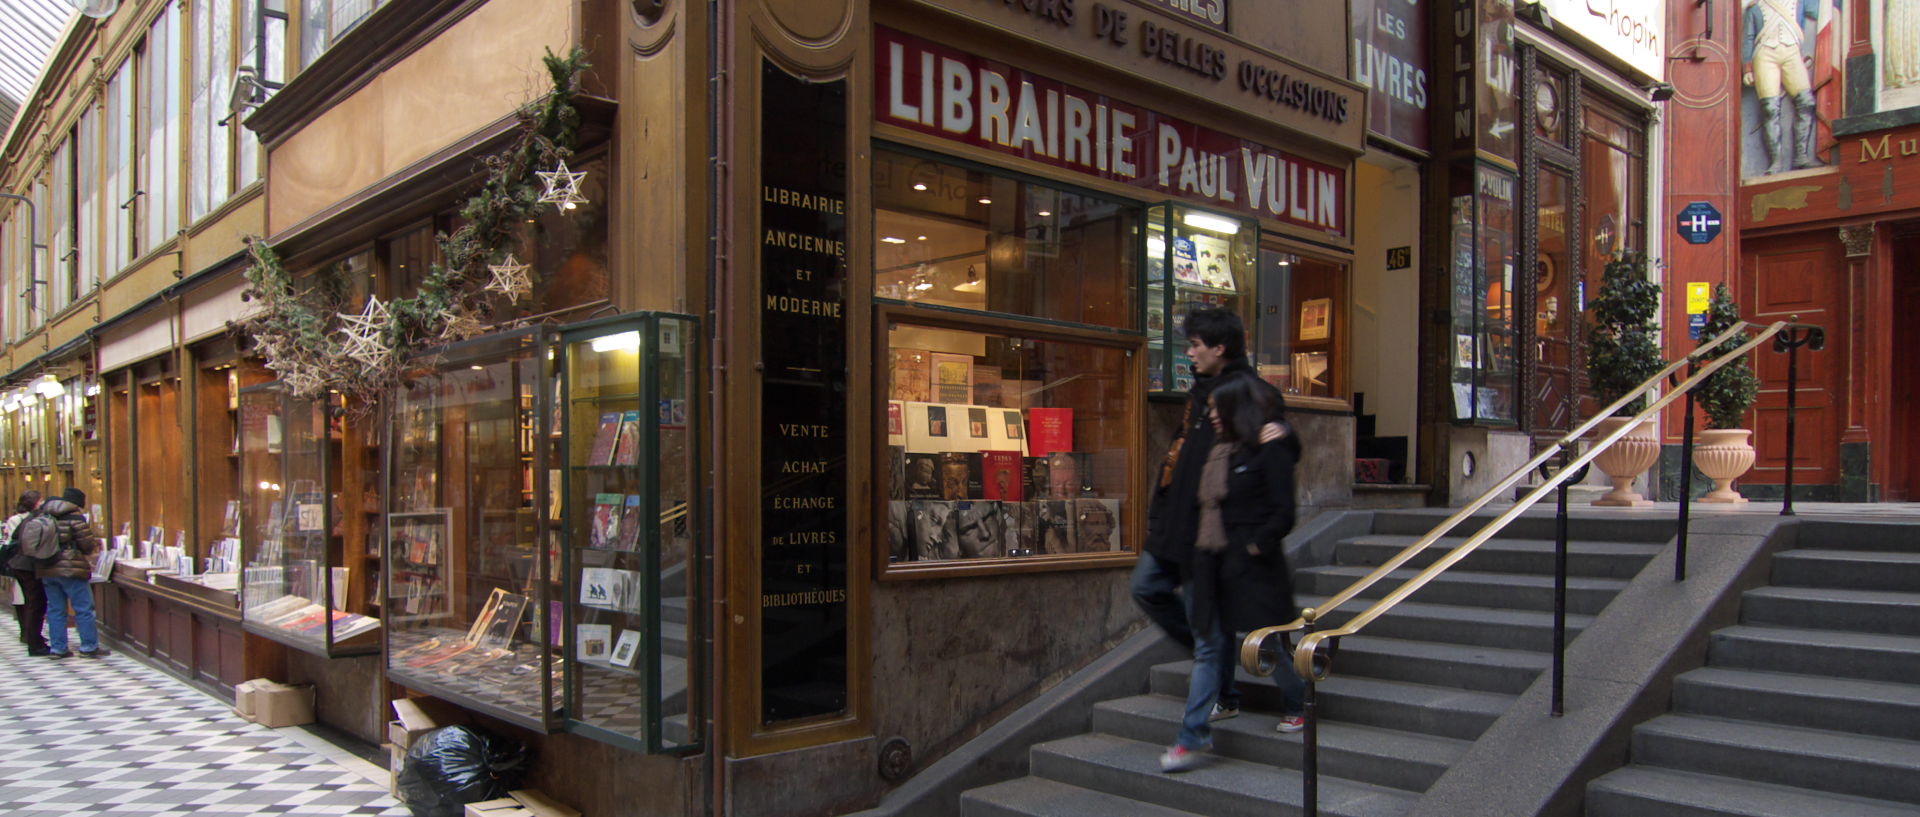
(1482, 352)
(627, 407)
(1194, 258)
(469, 604)
(296, 574)
(1021, 455)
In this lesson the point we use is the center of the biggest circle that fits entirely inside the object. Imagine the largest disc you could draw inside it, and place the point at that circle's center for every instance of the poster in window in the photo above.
(952, 378)
(1316, 318)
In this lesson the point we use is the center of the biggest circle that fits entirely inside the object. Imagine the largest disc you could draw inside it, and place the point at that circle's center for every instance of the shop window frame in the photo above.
(887, 314)
(1340, 341)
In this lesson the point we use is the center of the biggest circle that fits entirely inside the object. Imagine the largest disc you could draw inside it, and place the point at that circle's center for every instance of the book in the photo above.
(629, 525)
(626, 649)
(603, 526)
(987, 386)
(930, 524)
(1018, 520)
(926, 428)
(603, 439)
(1096, 525)
(1067, 475)
(627, 452)
(1053, 527)
(952, 377)
(1185, 263)
(960, 476)
(976, 425)
(1050, 430)
(596, 586)
(911, 375)
(591, 641)
(978, 530)
(896, 423)
(922, 476)
(1006, 431)
(899, 532)
(1001, 476)
(897, 471)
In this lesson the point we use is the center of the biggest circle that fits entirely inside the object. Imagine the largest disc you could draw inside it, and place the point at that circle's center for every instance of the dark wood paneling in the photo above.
(1789, 276)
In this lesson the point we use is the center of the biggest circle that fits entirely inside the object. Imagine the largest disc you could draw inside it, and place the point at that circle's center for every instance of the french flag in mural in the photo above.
(1829, 57)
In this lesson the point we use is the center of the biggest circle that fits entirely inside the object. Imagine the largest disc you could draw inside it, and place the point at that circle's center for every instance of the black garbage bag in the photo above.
(450, 767)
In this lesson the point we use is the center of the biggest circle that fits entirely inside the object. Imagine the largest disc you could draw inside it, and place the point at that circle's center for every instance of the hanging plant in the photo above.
(304, 330)
(1728, 393)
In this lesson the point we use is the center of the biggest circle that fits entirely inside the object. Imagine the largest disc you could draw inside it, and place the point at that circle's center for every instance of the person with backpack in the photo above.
(61, 539)
(32, 611)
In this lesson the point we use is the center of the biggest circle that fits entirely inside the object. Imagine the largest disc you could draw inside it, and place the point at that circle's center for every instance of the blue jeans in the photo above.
(1213, 664)
(1156, 590)
(60, 591)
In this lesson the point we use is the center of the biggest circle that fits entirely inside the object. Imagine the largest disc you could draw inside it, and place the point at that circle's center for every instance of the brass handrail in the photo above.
(1254, 658)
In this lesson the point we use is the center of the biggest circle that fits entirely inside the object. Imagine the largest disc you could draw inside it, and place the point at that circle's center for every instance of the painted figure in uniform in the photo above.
(1776, 49)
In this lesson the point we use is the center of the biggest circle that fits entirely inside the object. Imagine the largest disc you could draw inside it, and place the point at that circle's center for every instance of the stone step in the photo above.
(1040, 797)
(1406, 707)
(1814, 759)
(1220, 787)
(1513, 591)
(1828, 608)
(1639, 791)
(1619, 560)
(1852, 569)
(1858, 534)
(1445, 623)
(1384, 757)
(1584, 523)
(1865, 656)
(1840, 704)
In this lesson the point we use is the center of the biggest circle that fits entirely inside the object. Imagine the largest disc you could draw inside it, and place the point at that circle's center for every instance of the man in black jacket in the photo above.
(61, 539)
(1217, 343)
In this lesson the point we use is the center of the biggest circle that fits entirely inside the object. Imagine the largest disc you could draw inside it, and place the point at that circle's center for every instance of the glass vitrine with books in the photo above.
(295, 573)
(470, 610)
(1194, 259)
(628, 409)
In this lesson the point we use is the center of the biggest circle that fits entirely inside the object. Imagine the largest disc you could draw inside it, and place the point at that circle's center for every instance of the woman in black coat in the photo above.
(1237, 578)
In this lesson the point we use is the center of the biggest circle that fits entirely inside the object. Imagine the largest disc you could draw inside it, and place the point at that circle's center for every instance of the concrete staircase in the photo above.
(1809, 706)
(1406, 700)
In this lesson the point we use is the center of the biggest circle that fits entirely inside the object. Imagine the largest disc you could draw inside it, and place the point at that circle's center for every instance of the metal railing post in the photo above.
(1790, 340)
(1686, 484)
(1560, 601)
(1309, 745)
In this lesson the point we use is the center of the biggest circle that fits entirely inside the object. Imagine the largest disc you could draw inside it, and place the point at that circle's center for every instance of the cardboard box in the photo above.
(273, 704)
(396, 758)
(494, 808)
(540, 805)
(423, 714)
(281, 705)
(399, 735)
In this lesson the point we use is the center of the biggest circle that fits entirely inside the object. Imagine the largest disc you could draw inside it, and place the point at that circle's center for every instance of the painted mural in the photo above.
(1896, 39)
(1790, 72)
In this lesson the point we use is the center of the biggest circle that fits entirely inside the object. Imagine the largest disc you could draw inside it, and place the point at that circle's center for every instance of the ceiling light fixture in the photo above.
(1214, 223)
(920, 186)
(892, 240)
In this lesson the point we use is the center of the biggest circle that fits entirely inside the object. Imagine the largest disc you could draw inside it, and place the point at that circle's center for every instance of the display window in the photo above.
(954, 235)
(1194, 259)
(298, 571)
(469, 603)
(1483, 379)
(1007, 445)
(627, 408)
(1299, 336)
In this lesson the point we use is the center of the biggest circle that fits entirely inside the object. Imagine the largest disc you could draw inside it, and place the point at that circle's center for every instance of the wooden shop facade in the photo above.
(823, 437)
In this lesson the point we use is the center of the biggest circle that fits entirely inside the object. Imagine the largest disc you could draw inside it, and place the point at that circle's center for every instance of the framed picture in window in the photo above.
(1316, 318)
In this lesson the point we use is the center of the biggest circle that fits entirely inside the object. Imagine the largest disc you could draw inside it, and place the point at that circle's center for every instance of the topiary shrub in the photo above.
(1728, 393)
(1623, 349)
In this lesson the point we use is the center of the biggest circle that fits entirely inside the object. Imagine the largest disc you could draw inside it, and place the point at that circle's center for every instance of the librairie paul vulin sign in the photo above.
(803, 397)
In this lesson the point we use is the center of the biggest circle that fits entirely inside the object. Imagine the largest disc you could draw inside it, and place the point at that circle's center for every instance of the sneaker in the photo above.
(1180, 758)
(1291, 724)
(58, 655)
(1223, 712)
(37, 651)
(99, 653)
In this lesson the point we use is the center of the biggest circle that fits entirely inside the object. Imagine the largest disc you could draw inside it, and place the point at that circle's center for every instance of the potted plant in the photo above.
(1622, 352)
(1723, 451)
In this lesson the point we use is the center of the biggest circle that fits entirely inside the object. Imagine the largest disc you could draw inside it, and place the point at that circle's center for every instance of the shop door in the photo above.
(1785, 277)
(1556, 323)
(1903, 438)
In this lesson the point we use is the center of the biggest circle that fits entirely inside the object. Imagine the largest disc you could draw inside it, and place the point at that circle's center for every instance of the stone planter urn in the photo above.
(1625, 460)
(1724, 455)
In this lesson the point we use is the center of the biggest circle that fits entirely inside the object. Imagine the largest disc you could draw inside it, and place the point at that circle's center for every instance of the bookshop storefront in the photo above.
(996, 285)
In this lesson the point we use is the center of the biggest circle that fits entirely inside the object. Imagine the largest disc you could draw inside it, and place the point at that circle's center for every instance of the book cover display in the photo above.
(1002, 478)
(1050, 430)
(952, 378)
(605, 436)
(627, 450)
(912, 375)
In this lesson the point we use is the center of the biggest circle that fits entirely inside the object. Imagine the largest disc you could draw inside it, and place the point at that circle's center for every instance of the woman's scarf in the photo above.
(1212, 536)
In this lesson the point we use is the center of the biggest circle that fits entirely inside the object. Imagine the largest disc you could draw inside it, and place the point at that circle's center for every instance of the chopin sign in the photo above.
(936, 90)
(1632, 30)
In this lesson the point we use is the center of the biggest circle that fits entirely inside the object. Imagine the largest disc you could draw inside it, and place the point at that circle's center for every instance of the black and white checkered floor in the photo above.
(115, 737)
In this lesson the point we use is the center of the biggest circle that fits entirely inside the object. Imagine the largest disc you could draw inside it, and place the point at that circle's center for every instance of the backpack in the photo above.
(35, 541)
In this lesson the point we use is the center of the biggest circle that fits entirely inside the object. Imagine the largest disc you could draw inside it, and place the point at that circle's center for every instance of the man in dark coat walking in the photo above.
(1217, 343)
(61, 539)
